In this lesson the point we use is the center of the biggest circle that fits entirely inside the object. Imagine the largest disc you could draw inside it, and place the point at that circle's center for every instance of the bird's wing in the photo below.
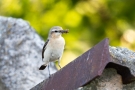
(44, 47)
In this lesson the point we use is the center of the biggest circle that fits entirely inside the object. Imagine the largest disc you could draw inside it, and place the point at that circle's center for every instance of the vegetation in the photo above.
(89, 21)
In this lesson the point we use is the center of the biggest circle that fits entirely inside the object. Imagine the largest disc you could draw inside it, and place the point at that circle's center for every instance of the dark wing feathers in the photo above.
(42, 67)
(44, 47)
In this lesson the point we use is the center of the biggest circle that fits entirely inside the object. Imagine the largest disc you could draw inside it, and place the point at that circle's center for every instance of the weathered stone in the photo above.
(123, 56)
(109, 80)
(127, 58)
(130, 86)
(20, 55)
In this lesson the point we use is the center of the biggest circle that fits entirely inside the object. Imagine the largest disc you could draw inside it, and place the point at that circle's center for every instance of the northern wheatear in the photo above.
(53, 47)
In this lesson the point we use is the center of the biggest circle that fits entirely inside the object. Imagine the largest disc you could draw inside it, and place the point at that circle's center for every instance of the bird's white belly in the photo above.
(55, 54)
(56, 48)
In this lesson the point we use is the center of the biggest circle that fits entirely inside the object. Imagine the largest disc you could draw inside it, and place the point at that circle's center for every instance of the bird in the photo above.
(53, 47)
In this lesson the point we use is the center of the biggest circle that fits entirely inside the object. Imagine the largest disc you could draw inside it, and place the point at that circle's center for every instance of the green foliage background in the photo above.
(89, 21)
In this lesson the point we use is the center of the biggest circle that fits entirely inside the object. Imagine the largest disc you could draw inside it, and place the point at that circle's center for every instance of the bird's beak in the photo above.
(64, 31)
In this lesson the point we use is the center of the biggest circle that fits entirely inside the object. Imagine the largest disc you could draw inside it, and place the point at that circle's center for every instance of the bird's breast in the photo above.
(56, 47)
(57, 43)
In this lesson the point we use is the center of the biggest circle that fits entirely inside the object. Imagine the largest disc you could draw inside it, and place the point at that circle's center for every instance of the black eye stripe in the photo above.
(56, 31)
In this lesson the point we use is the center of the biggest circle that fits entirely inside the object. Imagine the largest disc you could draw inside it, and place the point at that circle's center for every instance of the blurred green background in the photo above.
(89, 21)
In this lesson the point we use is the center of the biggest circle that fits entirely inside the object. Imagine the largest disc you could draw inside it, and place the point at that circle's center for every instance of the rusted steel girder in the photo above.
(84, 69)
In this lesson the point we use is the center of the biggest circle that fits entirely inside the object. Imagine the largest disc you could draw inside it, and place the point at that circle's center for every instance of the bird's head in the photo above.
(56, 31)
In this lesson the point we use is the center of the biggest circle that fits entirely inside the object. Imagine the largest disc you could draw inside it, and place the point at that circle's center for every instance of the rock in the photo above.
(127, 58)
(20, 55)
(123, 56)
(109, 80)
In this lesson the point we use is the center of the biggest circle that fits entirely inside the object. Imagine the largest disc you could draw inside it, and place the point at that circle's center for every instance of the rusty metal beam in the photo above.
(84, 69)
(79, 72)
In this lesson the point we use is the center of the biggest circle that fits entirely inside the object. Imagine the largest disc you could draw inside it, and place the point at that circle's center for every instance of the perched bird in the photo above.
(53, 47)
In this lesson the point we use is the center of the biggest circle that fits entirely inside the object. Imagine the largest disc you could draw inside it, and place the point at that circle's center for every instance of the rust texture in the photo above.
(84, 69)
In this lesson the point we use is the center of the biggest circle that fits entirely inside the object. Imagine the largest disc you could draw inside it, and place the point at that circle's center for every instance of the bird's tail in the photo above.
(42, 67)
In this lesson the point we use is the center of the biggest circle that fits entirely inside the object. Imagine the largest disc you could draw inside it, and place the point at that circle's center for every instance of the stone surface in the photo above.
(123, 56)
(127, 58)
(109, 80)
(20, 55)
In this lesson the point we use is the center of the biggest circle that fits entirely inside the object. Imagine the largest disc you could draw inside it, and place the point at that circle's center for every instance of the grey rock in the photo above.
(127, 58)
(109, 80)
(20, 55)
(123, 56)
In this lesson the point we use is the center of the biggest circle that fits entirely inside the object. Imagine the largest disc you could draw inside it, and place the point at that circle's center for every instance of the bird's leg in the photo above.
(49, 70)
(59, 63)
